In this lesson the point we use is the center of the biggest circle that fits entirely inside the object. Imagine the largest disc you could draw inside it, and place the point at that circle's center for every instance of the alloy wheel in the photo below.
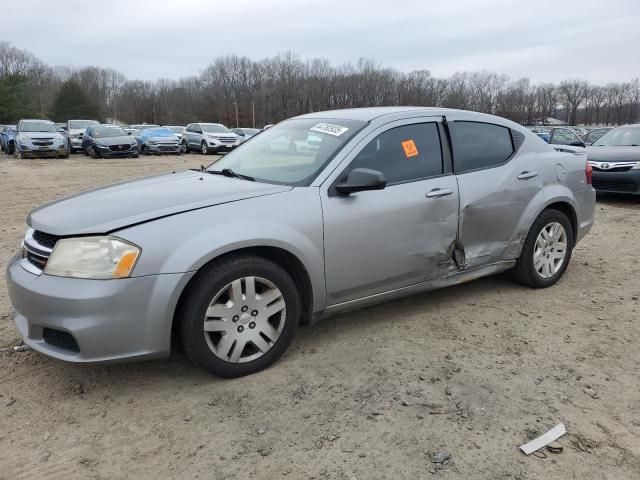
(204, 148)
(245, 319)
(550, 250)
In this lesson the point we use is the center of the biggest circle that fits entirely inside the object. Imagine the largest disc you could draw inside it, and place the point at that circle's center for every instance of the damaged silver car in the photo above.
(362, 206)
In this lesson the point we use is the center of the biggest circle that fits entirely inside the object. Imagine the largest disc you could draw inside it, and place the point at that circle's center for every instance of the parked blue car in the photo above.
(7, 139)
(156, 141)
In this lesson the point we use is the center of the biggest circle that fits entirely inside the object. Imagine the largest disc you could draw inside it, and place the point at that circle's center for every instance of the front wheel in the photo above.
(184, 146)
(546, 252)
(204, 148)
(239, 316)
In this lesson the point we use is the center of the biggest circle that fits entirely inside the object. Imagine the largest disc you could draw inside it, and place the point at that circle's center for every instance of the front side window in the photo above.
(479, 145)
(403, 154)
(292, 153)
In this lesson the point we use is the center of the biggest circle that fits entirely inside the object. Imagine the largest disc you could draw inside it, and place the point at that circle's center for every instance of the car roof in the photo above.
(371, 113)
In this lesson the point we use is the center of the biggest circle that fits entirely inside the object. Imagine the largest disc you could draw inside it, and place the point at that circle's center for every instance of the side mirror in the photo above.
(362, 179)
(129, 133)
(577, 144)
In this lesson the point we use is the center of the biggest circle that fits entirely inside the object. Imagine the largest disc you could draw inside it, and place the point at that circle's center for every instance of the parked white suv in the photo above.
(74, 131)
(209, 138)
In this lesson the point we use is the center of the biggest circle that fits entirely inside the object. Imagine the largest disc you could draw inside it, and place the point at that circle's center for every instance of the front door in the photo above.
(378, 241)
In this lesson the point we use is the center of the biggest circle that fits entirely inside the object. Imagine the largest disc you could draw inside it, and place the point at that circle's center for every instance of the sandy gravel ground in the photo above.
(473, 371)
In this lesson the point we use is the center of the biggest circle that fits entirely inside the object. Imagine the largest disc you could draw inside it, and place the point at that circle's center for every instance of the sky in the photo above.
(544, 40)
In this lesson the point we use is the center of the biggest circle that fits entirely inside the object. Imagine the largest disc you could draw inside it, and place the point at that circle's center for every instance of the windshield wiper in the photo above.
(227, 172)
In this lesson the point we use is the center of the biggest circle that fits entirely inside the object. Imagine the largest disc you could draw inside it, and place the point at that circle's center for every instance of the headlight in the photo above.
(23, 138)
(92, 257)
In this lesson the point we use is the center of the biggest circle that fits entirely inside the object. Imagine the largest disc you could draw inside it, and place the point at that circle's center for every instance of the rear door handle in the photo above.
(439, 192)
(527, 175)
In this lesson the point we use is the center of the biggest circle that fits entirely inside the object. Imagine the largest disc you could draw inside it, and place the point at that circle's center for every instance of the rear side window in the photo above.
(479, 145)
(403, 154)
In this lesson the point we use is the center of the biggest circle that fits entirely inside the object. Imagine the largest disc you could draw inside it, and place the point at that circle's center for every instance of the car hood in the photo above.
(613, 154)
(124, 139)
(117, 206)
(77, 131)
(162, 139)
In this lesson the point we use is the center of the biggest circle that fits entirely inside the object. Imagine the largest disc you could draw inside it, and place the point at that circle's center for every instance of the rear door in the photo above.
(496, 185)
(378, 241)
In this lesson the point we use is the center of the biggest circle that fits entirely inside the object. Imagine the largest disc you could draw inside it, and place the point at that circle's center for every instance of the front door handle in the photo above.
(439, 192)
(527, 175)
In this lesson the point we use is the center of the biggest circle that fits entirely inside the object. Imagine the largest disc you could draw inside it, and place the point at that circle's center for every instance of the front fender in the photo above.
(185, 242)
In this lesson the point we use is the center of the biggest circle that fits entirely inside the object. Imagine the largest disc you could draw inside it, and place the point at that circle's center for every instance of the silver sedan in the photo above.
(317, 215)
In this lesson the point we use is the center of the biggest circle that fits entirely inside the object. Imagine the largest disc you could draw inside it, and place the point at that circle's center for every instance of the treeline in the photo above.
(275, 88)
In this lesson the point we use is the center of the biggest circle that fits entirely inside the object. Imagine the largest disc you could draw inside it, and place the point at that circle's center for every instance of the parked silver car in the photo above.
(74, 132)
(39, 138)
(232, 258)
(209, 138)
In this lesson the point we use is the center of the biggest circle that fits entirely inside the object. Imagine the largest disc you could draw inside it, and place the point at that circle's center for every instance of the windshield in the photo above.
(81, 124)
(250, 131)
(158, 132)
(38, 127)
(214, 128)
(177, 129)
(106, 132)
(620, 137)
(292, 153)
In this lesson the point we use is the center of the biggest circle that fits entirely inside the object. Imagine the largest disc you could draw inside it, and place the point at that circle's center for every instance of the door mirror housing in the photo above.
(362, 179)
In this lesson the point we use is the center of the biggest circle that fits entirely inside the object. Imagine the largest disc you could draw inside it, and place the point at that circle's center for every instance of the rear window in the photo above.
(479, 145)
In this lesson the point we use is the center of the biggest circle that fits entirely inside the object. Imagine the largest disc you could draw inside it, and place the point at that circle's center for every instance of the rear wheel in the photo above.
(239, 316)
(546, 252)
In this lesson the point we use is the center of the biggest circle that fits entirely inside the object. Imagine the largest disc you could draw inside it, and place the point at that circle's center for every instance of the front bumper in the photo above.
(617, 182)
(109, 153)
(76, 143)
(110, 320)
(35, 152)
(164, 148)
(222, 147)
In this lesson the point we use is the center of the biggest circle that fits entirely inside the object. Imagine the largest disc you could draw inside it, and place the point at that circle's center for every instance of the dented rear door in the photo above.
(497, 184)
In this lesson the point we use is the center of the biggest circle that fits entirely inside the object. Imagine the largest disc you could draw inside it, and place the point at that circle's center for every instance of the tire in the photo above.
(69, 147)
(135, 155)
(92, 152)
(209, 286)
(185, 146)
(16, 153)
(526, 271)
(204, 148)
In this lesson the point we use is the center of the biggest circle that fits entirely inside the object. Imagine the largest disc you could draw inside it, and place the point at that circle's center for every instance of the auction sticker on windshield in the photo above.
(330, 129)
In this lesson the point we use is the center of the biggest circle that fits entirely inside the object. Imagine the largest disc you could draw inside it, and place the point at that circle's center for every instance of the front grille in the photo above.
(227, 139)
(36, 260)
(168, 148)
(612, 169)
(119, 148)
(614, 186)
(45, 239)
(60, 339)
(42, 143)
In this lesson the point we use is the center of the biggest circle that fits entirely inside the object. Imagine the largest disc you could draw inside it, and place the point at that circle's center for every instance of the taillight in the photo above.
(588, 172)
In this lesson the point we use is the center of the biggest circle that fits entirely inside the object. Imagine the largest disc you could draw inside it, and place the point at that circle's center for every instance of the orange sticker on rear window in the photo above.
(410, 149)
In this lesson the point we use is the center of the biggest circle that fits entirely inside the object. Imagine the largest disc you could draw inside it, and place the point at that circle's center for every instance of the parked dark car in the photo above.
(7, 137)
(615, 159)
(39, 138)
(109, 141)
(565, 136)
(595, 135)
(156, 141)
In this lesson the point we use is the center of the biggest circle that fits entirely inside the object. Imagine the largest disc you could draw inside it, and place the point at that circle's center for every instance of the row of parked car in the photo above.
(613, 153)
(573, 136)
(43, 138)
